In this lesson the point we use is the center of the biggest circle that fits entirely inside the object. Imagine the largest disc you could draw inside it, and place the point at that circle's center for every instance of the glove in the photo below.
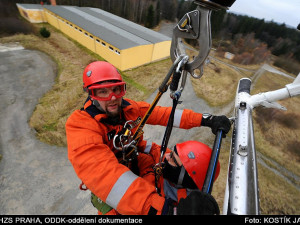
(216, 123)
(168, 208)
(198, 203)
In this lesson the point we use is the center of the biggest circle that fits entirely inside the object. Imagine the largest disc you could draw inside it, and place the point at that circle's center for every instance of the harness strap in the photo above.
(181, 175)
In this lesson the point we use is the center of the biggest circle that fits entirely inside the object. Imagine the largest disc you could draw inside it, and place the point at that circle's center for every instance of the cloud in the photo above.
(287, 11)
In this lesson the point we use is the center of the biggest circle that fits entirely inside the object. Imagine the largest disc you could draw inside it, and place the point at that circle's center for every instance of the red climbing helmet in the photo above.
(195, 157)
(96, 74)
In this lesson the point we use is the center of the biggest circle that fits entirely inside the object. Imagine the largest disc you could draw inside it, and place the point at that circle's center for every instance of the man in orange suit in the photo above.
(117, 188)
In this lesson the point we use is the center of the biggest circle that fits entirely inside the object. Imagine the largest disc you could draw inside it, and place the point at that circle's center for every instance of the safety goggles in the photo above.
(104, 92)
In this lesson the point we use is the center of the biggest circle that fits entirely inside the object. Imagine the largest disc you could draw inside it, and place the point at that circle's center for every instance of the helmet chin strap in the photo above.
(181, 175)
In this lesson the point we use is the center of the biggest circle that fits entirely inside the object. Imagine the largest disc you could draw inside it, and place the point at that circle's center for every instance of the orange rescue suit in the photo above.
(92, 155)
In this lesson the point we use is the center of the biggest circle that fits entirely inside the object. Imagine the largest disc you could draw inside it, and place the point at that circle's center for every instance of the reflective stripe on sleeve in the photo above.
(148, 147)
(177, 117)
(120, 188)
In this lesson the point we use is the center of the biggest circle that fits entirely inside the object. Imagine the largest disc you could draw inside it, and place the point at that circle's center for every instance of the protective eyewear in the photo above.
(104, 92)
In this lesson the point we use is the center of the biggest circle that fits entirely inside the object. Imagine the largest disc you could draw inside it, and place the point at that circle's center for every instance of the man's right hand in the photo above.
(216, 123)
(198, 203)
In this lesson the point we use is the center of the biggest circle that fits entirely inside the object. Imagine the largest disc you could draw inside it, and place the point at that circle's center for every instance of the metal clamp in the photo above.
(196, 25)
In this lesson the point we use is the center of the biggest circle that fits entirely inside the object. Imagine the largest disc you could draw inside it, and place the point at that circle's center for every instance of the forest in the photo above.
(252, 40)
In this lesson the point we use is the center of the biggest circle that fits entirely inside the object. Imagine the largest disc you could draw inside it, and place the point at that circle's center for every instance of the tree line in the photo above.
(279, 37)
(249, 33)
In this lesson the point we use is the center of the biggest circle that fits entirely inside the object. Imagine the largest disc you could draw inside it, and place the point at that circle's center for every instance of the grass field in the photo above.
(276, 132)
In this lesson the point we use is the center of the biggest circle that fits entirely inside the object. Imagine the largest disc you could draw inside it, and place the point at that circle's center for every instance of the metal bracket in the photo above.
(194, 25)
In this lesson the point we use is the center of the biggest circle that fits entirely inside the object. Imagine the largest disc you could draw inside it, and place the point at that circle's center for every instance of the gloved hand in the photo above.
(216, 123)
(198, 203)
(168, 208)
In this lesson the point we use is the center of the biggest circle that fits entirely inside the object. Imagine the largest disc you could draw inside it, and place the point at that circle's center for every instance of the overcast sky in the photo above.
(280, 11)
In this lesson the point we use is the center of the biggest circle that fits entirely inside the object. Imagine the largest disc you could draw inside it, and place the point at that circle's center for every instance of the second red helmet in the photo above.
(195, 157)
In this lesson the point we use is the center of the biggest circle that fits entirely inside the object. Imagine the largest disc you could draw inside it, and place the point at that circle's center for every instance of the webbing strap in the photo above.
(164, 145)
(169, 127)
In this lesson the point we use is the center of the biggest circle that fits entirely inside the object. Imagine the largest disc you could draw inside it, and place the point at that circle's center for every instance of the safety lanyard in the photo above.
(158, 167)
(162, 89)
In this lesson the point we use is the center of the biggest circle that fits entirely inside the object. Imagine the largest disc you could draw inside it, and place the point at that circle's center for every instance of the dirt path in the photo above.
(35, 178)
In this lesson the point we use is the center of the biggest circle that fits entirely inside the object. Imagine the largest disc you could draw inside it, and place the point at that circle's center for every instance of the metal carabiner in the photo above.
(120, 141)
(125, 147)
(129, 123)
(182, 63)
(179, 72)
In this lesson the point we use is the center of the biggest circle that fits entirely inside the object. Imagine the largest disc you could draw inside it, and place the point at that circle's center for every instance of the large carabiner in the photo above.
(196, 25)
